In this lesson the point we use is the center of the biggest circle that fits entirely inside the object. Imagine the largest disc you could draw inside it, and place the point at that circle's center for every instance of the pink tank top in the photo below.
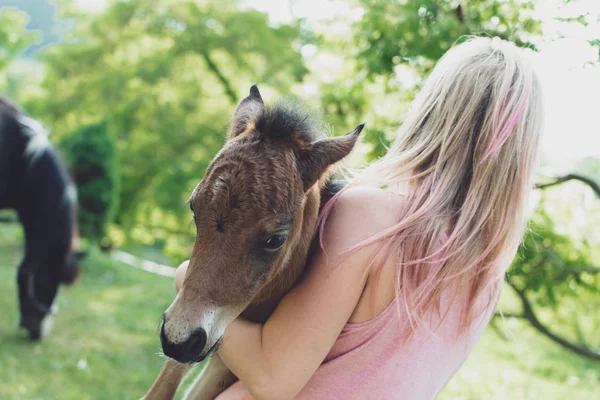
(372, 361)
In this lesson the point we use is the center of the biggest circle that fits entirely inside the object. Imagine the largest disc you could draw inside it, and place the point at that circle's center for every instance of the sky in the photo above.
(571, 80)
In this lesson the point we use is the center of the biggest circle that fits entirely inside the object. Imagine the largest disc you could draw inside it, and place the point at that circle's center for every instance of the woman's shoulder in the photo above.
(379, 205)
(363, 211)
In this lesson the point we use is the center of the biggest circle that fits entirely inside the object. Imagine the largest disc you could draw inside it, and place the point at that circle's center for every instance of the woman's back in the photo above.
(377, 356)
(372, 359)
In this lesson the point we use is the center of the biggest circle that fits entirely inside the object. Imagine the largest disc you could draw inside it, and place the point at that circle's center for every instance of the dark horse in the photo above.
(34, 182)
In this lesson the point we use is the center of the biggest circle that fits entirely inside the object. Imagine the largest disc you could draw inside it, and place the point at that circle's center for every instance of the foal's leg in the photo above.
(214, 379)
(166, 384)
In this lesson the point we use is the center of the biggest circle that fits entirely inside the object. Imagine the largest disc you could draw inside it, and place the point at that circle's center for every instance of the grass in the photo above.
(105, 344)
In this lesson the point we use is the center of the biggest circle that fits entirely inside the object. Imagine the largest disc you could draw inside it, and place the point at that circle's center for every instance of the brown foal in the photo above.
(255, 212)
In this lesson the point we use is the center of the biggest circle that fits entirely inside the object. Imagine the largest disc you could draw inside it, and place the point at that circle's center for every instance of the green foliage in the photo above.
(420, 32)
(551, 266)
(396, 36)
(166, 75)
(14, 38)
(556, 271)
(379, 143)
(42, 18)
(91, 154)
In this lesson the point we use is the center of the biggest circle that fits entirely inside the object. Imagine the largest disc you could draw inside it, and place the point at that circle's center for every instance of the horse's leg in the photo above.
(32, 314)
(214, 379)
(166, 384)
(46, 283)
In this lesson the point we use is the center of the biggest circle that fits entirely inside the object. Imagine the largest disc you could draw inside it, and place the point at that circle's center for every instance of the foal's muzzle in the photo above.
(188, 351)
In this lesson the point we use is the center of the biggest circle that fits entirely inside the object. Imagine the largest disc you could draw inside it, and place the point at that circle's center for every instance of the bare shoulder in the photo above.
(361, 212)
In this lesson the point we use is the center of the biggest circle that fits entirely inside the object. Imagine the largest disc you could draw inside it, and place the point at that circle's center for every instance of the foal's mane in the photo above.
(289, 120)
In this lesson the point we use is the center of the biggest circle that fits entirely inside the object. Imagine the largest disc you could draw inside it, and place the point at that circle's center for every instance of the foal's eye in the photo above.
(275, 242)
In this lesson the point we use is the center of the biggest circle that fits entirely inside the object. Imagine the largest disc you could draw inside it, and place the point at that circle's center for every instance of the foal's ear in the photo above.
(318, 156)
(246, 113)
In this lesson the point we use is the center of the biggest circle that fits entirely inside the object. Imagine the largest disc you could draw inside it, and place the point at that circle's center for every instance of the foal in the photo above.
(255, 213)
(34, 182)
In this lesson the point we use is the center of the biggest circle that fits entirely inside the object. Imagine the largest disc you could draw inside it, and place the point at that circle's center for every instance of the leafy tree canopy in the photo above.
(165, 75)
(14, 37)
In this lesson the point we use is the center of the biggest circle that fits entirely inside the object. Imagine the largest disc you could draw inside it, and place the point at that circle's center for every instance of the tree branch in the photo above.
(501, 332)
(460, 14)
(529, 314)
(509, 315)
(588, 181)
(577, 271)
(224, 81)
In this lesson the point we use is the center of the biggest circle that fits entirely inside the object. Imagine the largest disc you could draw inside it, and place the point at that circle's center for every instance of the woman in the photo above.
(413, 251)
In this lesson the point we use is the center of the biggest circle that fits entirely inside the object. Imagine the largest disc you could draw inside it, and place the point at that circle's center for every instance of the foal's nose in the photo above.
(185, 352)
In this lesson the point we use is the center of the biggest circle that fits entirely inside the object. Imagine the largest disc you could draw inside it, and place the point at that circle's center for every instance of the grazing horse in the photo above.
(256, 212)
(36, 185)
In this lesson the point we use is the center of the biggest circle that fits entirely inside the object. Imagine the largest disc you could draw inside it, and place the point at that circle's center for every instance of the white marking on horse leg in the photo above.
(46, 325)
(48, 321)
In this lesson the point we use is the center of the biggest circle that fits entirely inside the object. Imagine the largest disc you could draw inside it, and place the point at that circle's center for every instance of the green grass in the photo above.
(528, 366)
(104, 344)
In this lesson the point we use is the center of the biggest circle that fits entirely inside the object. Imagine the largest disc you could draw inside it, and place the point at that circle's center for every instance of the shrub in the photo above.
(92, 156)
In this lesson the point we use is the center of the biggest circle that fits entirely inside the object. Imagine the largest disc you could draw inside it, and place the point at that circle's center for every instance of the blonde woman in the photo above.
(413, 250)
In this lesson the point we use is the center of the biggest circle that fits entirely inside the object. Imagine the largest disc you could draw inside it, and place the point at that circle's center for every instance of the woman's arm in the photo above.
(275, 360)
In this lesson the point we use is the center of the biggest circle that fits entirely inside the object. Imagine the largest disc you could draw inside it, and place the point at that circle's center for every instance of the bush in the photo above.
(92, 156)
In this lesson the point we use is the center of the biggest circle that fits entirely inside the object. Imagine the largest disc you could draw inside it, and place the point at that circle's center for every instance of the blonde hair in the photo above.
(467, 152)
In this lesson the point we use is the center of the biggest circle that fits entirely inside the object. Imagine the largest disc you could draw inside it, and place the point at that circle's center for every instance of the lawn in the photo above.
(105, 344)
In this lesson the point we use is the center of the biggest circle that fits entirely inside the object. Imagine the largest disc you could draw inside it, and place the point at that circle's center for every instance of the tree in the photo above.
(552, 270)
(91, 154)
(41, 19)
(165, 75)
(14, 38)
(395, 39)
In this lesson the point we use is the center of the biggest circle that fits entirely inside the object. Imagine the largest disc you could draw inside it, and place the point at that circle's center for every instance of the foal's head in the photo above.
(248, 212)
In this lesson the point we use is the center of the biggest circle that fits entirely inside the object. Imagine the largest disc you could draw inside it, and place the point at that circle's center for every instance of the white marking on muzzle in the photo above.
(213, 320)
